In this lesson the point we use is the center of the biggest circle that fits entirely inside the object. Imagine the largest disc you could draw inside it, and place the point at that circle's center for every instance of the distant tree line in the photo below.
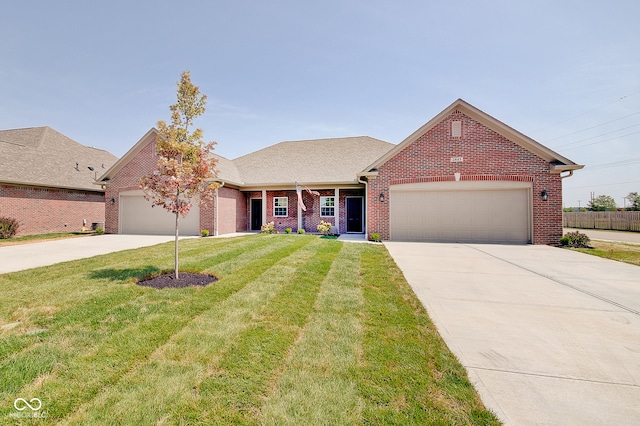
(603, 203)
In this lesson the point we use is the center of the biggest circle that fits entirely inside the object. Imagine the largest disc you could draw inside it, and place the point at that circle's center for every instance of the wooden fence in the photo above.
(619, 221)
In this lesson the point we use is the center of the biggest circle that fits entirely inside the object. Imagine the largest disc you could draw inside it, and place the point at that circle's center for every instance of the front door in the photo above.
(256, 214)
(354, 214)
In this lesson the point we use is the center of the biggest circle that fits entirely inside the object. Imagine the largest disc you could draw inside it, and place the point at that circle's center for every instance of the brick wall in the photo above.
(127, 180)
(486, 156)
(231, 202)
(43, 210)
(230, 214)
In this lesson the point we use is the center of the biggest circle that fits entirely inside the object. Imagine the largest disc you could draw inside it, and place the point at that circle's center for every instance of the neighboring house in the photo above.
(47, 181)
(462, 177)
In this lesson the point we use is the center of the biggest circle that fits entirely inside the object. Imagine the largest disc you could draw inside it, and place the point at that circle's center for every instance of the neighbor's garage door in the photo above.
(138, 217)
(473, 212)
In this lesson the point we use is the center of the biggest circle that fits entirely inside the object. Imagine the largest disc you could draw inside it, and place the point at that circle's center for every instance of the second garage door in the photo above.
(138, 217)
(472, 212)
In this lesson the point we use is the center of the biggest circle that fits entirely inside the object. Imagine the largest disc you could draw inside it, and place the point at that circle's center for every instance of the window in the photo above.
(327, 206)
(280, 206)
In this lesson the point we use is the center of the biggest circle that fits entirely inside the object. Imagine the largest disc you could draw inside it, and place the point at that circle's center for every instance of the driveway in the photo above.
(548, 336)
(25, 256)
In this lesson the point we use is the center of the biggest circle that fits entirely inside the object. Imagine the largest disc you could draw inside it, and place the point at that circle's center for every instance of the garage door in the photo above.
(473, 212)
(138, 217)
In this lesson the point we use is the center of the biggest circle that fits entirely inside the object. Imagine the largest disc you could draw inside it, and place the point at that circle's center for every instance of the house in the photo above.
(462, 177)
(47, 181)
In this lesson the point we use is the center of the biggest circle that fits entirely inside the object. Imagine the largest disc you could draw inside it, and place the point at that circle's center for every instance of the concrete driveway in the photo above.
(548, 336)
(26, 256)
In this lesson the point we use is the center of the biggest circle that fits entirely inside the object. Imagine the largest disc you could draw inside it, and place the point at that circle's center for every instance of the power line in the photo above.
(604, 140)
(602, 184)
(615, 164)
(592, 127)
(597, 136)
(588, 111)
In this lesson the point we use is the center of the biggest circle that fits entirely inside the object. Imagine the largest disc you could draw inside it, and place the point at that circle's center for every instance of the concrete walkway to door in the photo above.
(547, 335)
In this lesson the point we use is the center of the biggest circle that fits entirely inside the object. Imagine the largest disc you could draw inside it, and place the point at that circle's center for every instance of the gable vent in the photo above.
(456, 129)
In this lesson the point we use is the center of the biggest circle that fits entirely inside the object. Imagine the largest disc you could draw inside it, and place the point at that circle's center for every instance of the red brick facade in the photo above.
(230, 214)
(487, 155)
(127, 180)
(459, 141)
(231, 203)
(46, 210)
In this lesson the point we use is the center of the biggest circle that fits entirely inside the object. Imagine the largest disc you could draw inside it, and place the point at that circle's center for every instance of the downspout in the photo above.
(569, 175)
(215, 232)
(366, 208)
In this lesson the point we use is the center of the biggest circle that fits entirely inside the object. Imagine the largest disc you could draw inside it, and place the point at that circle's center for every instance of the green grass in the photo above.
(298, 330)
(622, 252)
(36, 238)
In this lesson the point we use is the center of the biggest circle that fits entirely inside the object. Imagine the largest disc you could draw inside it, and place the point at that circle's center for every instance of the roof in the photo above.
(558, 163)
(41, 156)
(319, 161)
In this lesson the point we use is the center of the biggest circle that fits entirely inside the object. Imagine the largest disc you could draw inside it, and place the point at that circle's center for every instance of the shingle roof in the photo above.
(336, 160)
(227, 171)
(41, 156)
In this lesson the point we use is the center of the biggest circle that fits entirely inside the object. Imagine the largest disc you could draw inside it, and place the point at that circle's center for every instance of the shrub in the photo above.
(204, 232)
(99, 231)
(268, 228)
(324, 227)
(375, 237)
(287, 230)
(301, 231)
(576, 240)
(8, 227)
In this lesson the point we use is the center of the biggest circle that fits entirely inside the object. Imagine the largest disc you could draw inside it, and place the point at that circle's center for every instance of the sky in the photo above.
(565, 73)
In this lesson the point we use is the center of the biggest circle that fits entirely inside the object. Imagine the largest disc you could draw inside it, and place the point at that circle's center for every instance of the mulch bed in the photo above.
(186, 279)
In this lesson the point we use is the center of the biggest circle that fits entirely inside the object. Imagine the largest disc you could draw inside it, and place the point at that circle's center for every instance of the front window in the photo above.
(280, 206)
(327, 206)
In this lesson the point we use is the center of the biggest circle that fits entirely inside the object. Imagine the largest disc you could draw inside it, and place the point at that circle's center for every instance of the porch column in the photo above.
(299, 213)
(264, 206)
(337, 208)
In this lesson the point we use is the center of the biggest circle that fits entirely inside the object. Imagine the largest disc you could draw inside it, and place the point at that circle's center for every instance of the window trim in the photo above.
(277, 206)
(323, 206)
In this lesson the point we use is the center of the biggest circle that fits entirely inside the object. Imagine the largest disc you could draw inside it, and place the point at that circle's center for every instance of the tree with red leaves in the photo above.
(185, 169)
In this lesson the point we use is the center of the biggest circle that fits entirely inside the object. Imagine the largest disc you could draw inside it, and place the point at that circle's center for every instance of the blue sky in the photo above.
(566, 73)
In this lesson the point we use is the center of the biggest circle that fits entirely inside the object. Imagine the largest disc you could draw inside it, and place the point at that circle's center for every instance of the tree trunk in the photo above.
(176, 248)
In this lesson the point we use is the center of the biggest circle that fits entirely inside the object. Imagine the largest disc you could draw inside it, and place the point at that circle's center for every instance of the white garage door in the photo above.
(473, 212)
(138, 217)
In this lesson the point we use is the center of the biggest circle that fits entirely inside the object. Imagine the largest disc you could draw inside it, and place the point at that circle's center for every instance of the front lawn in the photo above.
(298, 330)
(38, 238)
(622, 252)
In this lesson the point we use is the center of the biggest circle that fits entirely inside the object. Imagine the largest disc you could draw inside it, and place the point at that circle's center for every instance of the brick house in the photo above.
(462, 177)
(47, 181)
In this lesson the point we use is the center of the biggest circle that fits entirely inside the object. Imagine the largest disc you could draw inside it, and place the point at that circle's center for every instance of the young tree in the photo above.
(602, 203)
(185, 165)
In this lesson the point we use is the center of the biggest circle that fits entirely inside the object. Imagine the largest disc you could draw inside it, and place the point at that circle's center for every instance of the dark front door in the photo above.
(354, 214)
(256, 214)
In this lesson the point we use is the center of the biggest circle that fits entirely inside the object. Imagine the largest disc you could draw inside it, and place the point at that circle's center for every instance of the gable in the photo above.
(141, 160)
(478, 150)
(476, 122)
